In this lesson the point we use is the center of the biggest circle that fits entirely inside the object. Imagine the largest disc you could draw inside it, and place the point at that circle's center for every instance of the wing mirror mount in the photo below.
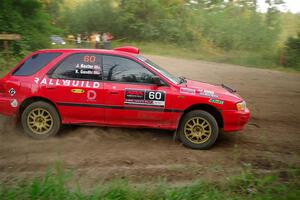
(156, 80)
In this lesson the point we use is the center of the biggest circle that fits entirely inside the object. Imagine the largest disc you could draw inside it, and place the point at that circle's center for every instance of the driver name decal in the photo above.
(145, 97)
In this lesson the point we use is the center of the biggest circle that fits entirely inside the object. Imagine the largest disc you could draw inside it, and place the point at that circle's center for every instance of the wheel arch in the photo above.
(26, 102)
(208, 108)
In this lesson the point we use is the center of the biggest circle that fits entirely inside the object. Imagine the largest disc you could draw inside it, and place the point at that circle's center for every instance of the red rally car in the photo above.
(117, 88)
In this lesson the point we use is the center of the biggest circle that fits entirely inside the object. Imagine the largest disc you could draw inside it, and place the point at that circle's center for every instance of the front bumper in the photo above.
(235, 120)
(6, 106)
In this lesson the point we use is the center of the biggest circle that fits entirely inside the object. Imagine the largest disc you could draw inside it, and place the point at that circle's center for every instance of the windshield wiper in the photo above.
(228, 88)
(182, 79)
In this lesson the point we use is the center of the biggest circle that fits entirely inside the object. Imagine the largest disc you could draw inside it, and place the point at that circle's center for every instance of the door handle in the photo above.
(114, 92)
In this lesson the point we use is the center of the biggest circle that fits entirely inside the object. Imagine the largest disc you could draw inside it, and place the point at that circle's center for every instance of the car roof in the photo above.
(100, 51)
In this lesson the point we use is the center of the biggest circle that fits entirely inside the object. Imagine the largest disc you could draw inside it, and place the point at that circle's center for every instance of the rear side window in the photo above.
(34, 64)
(79, 66)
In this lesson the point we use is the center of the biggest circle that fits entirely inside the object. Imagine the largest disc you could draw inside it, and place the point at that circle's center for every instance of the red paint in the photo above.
(128, 49)
(135, 93)
(2, 90)
(107, 107)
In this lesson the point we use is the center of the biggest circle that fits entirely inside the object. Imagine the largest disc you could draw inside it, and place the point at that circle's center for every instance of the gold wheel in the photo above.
(39, 121)
(197, 130)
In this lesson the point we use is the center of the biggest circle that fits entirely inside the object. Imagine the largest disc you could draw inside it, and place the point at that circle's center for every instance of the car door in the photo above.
(76, 87)
(131, 98)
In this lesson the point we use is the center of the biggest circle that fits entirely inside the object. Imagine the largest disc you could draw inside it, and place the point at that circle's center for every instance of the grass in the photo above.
(245, 186)
(257, 59)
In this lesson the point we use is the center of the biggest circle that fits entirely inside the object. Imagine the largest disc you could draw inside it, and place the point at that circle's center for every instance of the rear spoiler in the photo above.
(128, 49)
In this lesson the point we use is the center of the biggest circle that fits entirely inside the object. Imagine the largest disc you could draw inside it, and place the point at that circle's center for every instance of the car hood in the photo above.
(211, 90)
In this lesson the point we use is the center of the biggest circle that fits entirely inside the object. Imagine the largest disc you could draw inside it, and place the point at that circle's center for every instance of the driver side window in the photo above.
(125, 70)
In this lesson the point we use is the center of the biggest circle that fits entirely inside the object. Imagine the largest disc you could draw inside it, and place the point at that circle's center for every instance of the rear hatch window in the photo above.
(34, 64)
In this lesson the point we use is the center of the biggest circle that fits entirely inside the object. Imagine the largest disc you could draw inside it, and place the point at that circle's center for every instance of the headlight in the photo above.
(241, 106)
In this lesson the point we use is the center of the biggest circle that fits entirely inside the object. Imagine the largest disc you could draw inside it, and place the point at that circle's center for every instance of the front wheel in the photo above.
(40, 120)
(198, 129)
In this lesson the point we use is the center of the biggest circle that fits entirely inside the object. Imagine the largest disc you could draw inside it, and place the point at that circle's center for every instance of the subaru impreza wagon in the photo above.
(118, 88)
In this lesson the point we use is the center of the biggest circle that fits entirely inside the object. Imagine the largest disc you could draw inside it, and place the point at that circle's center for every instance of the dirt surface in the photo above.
(269, 142)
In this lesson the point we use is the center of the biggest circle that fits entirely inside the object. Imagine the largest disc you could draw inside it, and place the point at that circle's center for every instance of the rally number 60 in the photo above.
(155, 95)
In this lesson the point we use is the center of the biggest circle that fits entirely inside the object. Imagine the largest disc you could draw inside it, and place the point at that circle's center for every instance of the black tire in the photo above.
(208, 141)
(49, 110)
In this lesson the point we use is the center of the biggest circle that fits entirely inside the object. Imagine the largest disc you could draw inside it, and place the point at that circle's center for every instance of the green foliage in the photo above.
(248, 31)
(290, 24)
(153, 20)
(258, 59)
(52, 7)
(229, 26)
(27, 18)
(292, 52)
(96, 15)
(4, 68)
(54, 185)
(231, 32)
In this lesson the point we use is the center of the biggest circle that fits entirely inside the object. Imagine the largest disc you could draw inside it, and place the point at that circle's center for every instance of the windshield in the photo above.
(162, 71)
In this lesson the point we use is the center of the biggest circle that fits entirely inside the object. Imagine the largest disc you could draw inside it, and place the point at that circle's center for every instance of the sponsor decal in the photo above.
(145, 97)
(12, 92)
(217, 101)
(77, 91)
(14, 103)
(187, 91)
(67, 83)
(91, 95)
(198, 89)
(208, 93)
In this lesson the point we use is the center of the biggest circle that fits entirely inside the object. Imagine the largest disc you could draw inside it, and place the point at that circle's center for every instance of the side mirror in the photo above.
(156, 80)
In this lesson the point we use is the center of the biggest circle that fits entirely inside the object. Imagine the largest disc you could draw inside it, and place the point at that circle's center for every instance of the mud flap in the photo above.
(175, 134)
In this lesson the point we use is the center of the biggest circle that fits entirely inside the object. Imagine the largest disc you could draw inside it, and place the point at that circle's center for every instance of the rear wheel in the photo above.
(198, 130)
(40, 120)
